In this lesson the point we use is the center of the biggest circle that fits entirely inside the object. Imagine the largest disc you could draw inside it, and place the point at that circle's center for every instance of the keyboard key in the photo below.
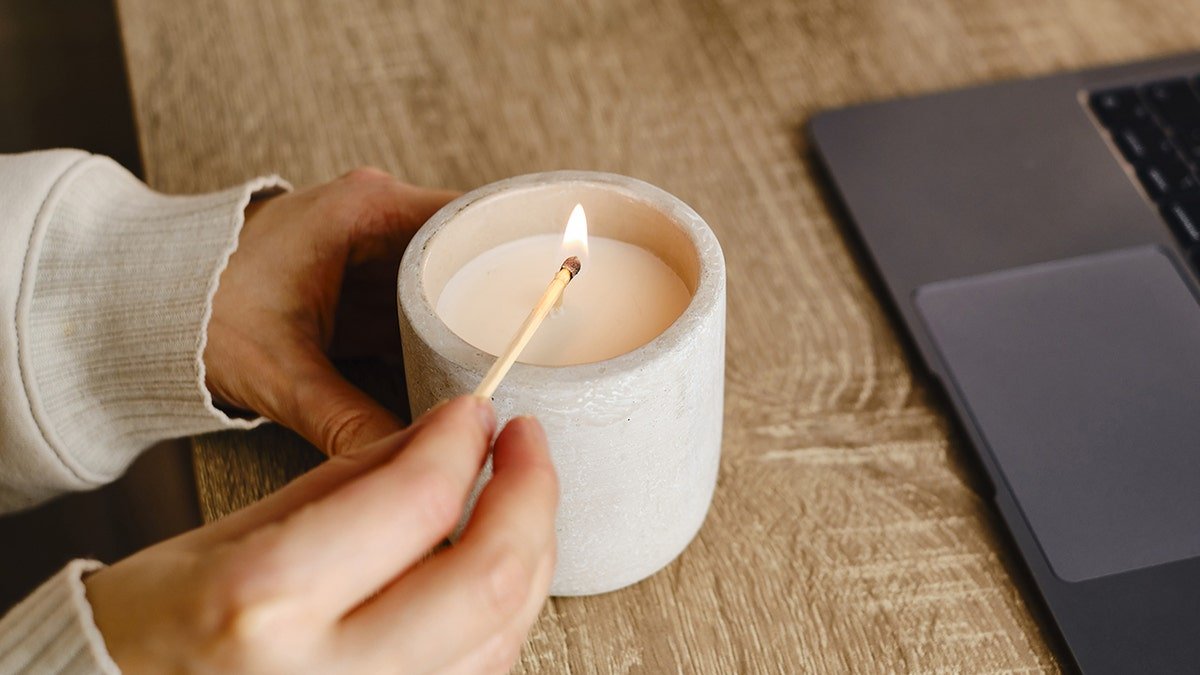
(1184, 219)
(1142, 143)
(1189, 150)
(1186, 138)
(1119, 106)
(1156, 128)
(1174, 102)
(1167, 177)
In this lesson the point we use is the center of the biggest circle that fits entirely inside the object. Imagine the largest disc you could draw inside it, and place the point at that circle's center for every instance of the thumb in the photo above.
(331, 413)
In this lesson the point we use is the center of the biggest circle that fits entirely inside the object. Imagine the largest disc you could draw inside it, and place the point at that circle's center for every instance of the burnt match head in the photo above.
(571, 265)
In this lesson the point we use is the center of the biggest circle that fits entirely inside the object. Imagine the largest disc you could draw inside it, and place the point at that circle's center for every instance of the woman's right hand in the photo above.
(332, 573)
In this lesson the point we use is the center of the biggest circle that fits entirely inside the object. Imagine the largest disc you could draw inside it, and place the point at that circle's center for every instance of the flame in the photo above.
(575, 239)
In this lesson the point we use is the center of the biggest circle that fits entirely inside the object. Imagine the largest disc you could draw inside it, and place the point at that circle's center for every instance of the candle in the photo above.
(623, 298)
(630, 389)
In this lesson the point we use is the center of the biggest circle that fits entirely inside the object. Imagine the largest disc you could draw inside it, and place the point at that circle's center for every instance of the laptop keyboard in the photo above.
(1156, 126)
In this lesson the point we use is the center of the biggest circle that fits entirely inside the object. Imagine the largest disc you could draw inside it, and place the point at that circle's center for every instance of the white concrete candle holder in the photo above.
(636, 439)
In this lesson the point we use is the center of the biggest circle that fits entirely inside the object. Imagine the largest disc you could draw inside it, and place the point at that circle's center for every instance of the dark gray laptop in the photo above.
(1036, 239)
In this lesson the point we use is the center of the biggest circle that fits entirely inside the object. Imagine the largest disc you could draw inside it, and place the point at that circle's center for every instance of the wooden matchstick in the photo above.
(508, 357)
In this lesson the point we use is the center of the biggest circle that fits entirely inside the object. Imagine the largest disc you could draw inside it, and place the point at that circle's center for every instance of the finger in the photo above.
(423, 202)
(336, 552)
(500, 653)
(393, 212)
(304, 490)
(332, 414)
(366, 322)
(463, 596)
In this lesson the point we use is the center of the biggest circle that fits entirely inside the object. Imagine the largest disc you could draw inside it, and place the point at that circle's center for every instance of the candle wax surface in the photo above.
(623, 298)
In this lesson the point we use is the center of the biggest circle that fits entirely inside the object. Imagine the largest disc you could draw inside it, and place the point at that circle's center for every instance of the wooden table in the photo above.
(846, 533)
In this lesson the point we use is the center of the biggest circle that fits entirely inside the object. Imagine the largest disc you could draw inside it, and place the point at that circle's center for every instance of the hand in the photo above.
(314, 274)
(330, 574)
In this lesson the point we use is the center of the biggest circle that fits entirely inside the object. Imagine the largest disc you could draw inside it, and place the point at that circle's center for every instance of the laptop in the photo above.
(1038, 241)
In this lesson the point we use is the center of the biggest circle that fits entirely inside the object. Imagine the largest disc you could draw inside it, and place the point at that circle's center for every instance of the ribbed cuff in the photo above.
(113, 314)
(52, 631)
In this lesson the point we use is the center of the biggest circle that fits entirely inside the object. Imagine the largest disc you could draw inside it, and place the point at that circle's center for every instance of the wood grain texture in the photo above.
(846, 534)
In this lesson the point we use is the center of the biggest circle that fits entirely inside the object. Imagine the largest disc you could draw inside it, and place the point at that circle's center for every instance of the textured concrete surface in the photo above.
(636, 439)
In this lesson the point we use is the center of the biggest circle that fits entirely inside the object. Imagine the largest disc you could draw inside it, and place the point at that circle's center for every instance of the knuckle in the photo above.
(506, 583)
(365, 174)
(340, 206)
(340, 430)
(245, 577)
(246, 618)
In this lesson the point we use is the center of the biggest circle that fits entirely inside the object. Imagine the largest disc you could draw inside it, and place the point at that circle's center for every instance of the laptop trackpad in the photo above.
(1083, 377)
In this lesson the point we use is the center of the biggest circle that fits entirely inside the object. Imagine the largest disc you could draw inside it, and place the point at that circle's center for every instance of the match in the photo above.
(505, 361)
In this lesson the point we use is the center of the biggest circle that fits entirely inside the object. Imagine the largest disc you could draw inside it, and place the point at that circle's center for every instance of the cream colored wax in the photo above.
(623, 298)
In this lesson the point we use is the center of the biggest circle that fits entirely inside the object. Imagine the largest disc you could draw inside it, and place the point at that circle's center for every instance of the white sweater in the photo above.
(105, 293)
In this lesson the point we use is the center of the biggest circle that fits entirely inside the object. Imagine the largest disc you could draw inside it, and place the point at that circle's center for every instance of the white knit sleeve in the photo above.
(106, 290)
(52, 631)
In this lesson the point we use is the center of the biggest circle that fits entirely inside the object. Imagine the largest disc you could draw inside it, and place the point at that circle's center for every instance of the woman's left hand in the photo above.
(314, 275)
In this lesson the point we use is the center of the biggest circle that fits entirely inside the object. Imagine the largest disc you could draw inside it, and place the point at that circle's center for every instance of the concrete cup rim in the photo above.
(415, 306)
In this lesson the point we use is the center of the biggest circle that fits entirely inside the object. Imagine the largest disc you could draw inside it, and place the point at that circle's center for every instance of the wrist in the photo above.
(222, 342)
(122, 279)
